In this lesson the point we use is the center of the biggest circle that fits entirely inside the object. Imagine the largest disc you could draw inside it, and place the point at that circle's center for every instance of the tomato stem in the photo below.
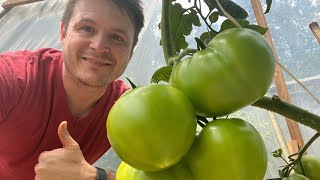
(284, 160)
(166, 37)
(304, 149)
(201, 15)
(179, 57)
(173, 71)
(291, 165)
(289, 110)
(174, 61)
(234, 21)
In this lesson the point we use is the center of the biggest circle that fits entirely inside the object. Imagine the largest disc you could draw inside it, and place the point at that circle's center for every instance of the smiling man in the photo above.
(43, 91)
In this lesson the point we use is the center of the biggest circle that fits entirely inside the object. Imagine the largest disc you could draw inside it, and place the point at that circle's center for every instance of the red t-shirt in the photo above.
(32, 105)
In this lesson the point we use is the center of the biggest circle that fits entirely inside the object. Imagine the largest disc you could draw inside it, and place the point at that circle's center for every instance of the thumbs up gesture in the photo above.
(66, 163)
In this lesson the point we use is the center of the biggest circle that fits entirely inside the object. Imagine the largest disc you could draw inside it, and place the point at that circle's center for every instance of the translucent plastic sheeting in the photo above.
(37, 25)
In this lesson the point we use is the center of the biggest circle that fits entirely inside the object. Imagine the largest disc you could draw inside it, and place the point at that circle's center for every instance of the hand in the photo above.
(66, 163)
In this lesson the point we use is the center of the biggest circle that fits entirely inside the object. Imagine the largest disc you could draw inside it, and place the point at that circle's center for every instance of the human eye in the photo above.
(117, 38)
(87, 29)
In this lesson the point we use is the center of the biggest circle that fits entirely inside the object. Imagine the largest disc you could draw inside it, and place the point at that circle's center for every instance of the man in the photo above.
(43, 91)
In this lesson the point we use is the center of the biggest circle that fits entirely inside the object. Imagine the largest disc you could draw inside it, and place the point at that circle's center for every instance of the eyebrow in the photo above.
(87, 20)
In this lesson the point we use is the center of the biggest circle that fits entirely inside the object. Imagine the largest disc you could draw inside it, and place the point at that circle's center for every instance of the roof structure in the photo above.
(33, 24)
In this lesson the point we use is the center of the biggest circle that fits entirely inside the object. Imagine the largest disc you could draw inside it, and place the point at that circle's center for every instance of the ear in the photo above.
(62, 32)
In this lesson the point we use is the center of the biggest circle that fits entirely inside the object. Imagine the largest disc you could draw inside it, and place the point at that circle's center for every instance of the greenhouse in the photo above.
(286, 115)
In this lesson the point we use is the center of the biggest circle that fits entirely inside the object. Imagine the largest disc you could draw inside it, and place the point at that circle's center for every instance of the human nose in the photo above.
(99, 43)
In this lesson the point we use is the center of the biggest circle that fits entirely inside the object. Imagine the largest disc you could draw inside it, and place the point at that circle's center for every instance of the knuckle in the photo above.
(38, 169)
(46, 157)
(42, 156)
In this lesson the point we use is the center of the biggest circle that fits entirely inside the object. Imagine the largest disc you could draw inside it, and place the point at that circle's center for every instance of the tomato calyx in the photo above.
(176, 59)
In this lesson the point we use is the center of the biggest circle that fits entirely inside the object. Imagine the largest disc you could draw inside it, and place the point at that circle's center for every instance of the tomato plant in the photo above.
(177, 172)
(311, 165)
(152, 127)
(228, 149)
(296, 177)
(235, 70)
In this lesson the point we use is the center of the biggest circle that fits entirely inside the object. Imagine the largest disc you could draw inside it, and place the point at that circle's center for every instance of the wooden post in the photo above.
(316, 30)
(281, 86)
(12, 3)
(293, 147)
(283, 145)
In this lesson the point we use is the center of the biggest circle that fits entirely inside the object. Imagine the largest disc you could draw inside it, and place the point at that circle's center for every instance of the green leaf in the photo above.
(200, 44)
(268, 2)
(281, 174)
(227, 24)
(206, 37)
(162, 74)
(133, 86)
(181, 23)
(229, 6)
(294, 154)
(277, 153)
(214, 17)
(259, 29)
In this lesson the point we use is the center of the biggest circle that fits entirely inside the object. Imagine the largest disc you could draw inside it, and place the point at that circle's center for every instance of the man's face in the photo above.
(97, 44)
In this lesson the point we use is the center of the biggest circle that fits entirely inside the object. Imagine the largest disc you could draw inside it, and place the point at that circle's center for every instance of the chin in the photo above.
(94, 82)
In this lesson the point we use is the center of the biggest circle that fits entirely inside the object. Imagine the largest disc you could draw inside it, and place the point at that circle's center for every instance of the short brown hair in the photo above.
(132, 7)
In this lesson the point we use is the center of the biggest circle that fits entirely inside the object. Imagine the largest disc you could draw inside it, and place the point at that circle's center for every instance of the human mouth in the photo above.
(96, 61)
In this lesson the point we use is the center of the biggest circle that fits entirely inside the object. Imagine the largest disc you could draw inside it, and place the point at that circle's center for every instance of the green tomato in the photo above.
(311, 165)
(296, 177)
(179, 171)
(228, 149)
(235, 70)
(152, 127)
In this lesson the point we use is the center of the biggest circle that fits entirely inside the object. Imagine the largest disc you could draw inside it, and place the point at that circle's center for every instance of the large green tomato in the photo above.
(235, 70)
(228, 149)
(311, 165)
(296, 177)
(179, 171)
(152, 127)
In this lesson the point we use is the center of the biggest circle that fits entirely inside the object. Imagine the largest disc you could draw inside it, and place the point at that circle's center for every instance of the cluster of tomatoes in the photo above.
(153, 128)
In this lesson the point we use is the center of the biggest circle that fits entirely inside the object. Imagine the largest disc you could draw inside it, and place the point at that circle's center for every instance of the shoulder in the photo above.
(22, 65)
(118, 87)
(19, 68)
(13, 60)
(15, 55)
(47, 54)
(119, 84)
(26, 56)
(21, 72)
(13, 64)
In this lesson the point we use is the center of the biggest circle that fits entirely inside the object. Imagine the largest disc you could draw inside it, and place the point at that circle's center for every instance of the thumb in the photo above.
(65, 137)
